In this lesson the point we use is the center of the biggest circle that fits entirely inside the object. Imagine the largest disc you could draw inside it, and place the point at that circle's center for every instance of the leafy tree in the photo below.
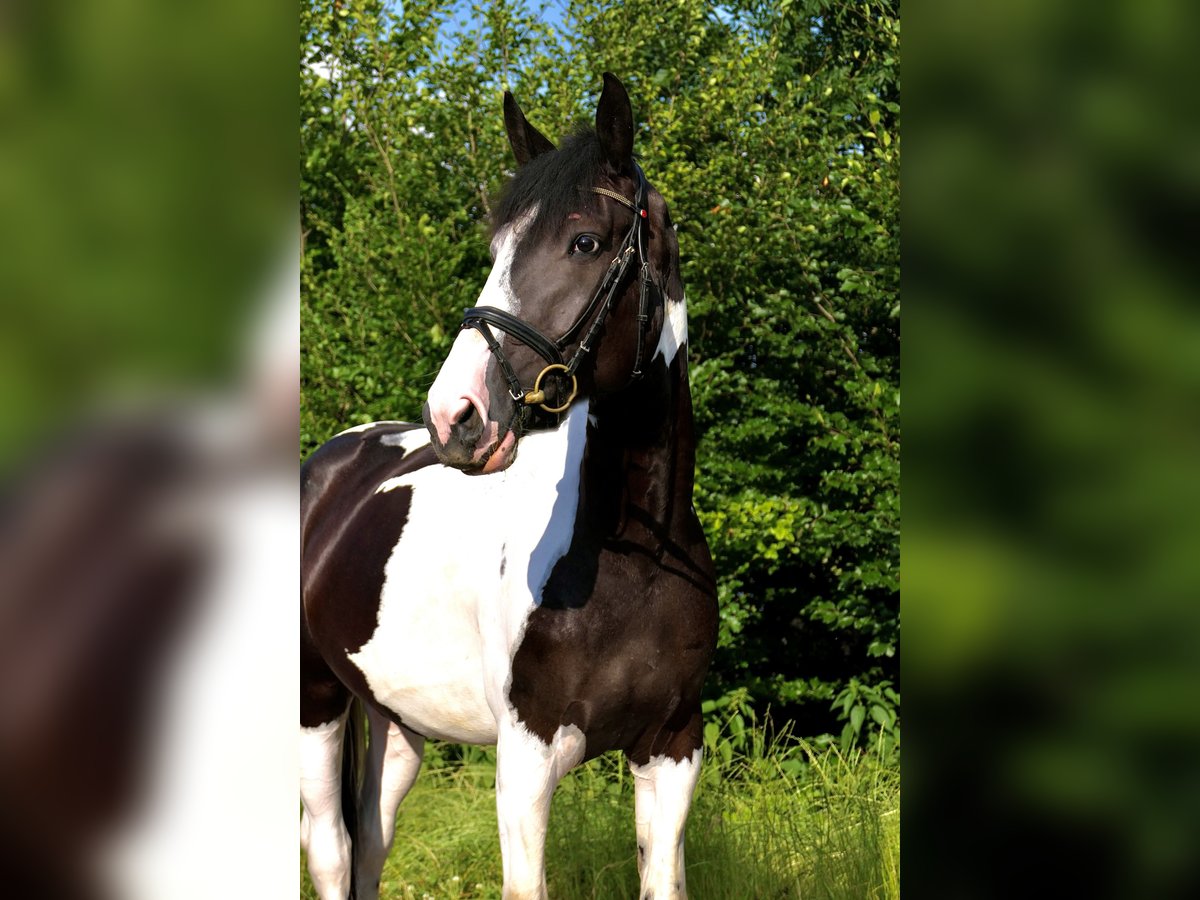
(772, 128)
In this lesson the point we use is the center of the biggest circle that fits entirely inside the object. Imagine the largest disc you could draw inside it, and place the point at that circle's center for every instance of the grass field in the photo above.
(768, 821)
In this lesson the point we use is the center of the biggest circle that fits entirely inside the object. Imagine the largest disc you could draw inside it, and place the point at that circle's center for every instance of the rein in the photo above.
(482, 318)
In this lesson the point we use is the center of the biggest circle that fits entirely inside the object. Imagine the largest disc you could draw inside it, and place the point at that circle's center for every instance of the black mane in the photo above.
(558, 183)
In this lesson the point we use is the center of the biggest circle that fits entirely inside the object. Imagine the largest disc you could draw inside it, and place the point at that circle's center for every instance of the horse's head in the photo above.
(583, 253)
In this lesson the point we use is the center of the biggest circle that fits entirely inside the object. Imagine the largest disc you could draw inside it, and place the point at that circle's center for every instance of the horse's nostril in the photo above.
(467, 426)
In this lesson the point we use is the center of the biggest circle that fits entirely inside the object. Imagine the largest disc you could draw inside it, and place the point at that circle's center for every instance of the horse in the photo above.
(527, 569)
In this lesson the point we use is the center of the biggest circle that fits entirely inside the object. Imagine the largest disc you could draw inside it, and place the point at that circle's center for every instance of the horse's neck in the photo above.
(640, 459)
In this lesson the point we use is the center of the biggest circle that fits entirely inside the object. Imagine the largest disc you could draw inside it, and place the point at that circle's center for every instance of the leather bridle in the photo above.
(483, 318)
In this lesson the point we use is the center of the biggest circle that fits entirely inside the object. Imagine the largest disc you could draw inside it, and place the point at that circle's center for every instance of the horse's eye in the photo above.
(585, 243)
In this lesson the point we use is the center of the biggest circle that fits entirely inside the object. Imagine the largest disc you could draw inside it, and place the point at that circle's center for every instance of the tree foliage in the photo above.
(772, 128)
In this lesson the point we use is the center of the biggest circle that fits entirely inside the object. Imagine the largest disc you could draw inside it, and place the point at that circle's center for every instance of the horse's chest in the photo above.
(609, 656)
(458, 589)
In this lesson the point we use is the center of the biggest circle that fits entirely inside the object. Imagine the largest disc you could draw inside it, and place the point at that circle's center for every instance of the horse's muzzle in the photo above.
(473, 445)
(461, 448)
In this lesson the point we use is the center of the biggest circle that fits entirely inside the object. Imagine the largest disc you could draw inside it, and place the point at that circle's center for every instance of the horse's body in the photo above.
(560, 603)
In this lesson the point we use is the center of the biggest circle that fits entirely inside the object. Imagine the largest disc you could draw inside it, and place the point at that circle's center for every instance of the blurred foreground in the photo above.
(1051, 541)
(149, 379)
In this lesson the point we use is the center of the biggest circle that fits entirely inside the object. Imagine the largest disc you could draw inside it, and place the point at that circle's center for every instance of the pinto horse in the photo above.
(560, 603)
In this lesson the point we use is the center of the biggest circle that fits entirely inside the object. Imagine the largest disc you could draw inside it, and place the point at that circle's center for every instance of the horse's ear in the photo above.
(525, 140)
(614, 125)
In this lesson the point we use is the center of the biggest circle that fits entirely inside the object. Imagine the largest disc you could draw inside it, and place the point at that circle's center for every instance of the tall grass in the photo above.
(771, 819)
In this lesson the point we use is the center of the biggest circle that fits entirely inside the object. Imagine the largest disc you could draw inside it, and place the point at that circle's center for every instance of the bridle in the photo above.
(483, 318)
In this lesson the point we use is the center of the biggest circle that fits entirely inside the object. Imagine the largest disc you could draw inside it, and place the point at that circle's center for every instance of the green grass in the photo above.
(768, 821)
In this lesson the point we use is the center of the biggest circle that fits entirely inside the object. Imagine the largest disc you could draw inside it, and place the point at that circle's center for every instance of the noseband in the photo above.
(482, 318)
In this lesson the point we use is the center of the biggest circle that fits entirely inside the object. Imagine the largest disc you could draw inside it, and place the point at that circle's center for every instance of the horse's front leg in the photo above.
(663, 790)
(527, 771)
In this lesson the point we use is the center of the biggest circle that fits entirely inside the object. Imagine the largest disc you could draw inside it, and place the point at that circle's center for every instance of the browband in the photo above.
(620, 199)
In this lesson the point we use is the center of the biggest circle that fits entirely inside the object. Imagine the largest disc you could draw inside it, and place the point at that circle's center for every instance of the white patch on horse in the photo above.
(322, 832)
(409, 440)
(556, 539)
(368, 426)
(444, 578)
(663, 790)
(527, 771)
(497, 290)
(674, 332)
(462, 377)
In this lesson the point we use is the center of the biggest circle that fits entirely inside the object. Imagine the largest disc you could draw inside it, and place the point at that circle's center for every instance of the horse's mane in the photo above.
(557, 183)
